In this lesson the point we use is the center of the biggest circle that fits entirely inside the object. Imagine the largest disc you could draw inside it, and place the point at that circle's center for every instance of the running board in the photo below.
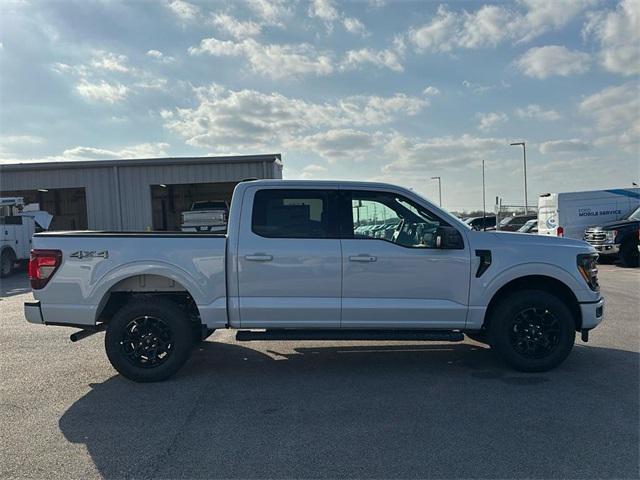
(290, 334)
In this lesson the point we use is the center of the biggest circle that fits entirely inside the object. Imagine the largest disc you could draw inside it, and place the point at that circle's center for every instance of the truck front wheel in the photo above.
(532, 330)
(148, 339)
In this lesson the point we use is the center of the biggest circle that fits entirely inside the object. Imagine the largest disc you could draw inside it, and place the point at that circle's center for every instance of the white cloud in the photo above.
(543, 62)
(618, 32)
(431, 91)
(337, 144)
(101, 91)
(414, 156)
(21, 140)
(562, 146)
(275, 61)
(312, 171)
(379, 58)
(185, 10)
(493, 24)
(142, 150)
(272, 12)
(615, 113)
(246, 119)
(159, 56)
(324, 10)
(538, 113)
(109, 61)
(355, 26)
(489, 121)
(234, 27)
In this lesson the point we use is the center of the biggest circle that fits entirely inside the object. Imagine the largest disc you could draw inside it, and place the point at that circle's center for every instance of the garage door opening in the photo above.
(67, 205)
(169, 201)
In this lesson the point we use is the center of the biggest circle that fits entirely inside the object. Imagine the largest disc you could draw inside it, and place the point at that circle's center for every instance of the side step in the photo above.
(290, 334)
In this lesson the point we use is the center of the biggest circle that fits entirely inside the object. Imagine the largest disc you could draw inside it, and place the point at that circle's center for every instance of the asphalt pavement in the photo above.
(321, 409)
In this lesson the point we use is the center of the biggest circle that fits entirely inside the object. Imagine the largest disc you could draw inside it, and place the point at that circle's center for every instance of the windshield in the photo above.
(635, 215)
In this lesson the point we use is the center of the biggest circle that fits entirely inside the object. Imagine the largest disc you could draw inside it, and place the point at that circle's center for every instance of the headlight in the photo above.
(611, 236)
(588, 268)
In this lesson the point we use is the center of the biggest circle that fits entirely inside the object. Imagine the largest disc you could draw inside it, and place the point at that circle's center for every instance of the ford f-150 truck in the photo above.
(294, 265)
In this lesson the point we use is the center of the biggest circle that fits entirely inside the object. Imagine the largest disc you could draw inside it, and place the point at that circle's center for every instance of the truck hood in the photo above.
(613, 225)
(524, 239)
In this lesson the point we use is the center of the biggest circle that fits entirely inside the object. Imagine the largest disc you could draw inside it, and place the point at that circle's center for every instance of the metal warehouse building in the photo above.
(130, 194)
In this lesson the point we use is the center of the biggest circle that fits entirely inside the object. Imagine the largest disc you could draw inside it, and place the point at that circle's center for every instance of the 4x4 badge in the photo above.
(80, 254)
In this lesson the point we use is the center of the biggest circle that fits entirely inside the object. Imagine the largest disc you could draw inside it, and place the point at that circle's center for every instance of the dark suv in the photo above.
(514, 223)
(619, 239)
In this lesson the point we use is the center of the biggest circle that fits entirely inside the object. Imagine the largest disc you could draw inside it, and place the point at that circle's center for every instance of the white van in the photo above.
(569, 214)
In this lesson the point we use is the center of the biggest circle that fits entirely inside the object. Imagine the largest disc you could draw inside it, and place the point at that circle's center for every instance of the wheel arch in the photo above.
(536, 282)
(143, 286)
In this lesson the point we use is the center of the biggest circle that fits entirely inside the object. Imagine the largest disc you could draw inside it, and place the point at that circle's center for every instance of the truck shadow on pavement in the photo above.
(382, 411)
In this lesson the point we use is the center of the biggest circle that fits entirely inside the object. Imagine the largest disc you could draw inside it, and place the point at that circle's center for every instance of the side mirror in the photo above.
(449, 238)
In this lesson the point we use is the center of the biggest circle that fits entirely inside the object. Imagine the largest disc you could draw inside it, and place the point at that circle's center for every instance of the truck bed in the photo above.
(96, 264)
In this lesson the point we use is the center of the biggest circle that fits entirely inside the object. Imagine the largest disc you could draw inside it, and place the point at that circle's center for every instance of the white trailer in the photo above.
(569, 214)
(18, 223)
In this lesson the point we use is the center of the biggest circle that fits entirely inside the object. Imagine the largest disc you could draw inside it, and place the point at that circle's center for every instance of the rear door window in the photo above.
(294, 214)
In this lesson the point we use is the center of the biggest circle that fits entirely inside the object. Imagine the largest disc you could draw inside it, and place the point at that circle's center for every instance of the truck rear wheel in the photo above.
(148, 340)
(7, 261)
(532, 330)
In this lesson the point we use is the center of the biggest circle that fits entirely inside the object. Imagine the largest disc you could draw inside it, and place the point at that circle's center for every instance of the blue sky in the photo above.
(378, 90)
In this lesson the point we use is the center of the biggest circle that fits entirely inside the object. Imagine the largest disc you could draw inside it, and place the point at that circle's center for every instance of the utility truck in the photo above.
(18, 223)
(294, 266)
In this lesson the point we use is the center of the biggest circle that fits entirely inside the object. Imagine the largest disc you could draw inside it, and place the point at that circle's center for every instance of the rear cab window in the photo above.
(304, 213)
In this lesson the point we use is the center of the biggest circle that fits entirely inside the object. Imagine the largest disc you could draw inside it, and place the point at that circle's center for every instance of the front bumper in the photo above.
(33, 313)
(607, 248)
(592, 314)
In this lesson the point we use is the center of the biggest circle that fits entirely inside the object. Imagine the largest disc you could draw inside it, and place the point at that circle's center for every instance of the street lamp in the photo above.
(439, 189)
(524, 153)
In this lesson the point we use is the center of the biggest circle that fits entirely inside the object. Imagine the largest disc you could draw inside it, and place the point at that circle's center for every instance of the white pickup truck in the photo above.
(295, 265)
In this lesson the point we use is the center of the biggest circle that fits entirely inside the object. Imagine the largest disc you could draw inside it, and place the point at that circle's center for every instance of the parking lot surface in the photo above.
(321, 409)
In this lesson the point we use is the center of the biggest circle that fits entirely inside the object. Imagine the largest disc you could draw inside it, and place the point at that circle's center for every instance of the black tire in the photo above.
(149, 339)
(532, 330)
(629, 254)
(7, 262)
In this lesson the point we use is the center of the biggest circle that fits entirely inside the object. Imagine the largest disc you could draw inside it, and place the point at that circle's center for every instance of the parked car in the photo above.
(482, 223)
(515, 222)
(569, 214)
(620, 239)
(292, 268)
(206, 216)
(530, 227)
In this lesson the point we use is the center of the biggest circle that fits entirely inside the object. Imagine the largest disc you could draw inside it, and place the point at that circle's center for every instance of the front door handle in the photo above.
(362, 258)
(258, 257)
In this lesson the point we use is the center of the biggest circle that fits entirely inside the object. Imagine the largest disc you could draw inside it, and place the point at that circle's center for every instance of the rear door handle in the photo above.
(362, 258)
(259, 257)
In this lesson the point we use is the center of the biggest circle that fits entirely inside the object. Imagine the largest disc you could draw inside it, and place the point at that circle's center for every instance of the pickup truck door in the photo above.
(289, 259)
(393, 276)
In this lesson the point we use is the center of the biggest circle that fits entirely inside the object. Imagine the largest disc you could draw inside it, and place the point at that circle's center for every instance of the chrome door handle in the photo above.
(362, 258)
(259, 257)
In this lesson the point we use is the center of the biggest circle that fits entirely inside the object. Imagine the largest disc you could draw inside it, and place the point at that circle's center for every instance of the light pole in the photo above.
(439, 189)
(524, 153)
(484, 208)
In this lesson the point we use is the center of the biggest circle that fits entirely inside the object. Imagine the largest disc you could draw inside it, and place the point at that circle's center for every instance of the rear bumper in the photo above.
(33, 313)
(592, 314)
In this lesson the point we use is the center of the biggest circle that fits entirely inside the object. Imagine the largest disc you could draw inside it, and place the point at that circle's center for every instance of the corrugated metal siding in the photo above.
(135, 182)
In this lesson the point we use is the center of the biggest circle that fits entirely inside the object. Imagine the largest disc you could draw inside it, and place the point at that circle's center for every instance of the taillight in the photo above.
(560, 232)
(42, 265)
